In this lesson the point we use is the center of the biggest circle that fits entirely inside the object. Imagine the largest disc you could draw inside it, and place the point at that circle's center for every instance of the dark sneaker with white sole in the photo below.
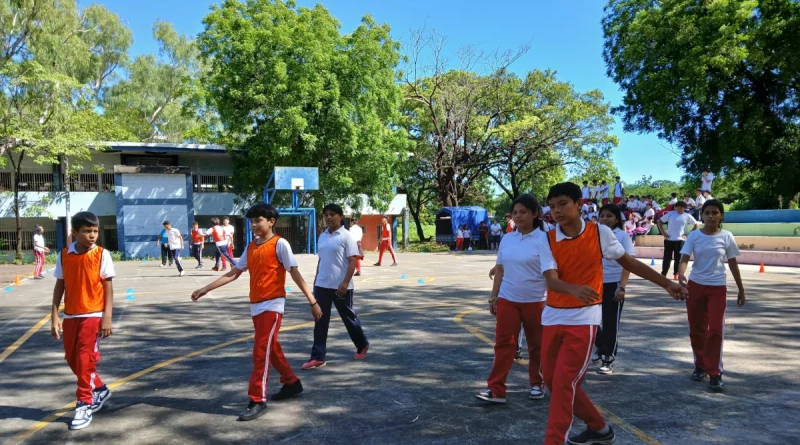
(487, 396)
(716, 383)
(288, 391)
(537, 392)
(698, 375)
(606, 368)
(518, 354)
(254, 411)
(590, 437)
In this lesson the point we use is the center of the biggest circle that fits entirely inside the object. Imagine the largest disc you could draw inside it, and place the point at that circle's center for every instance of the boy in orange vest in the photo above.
(84, 272)
(572, 263)
(268, 257)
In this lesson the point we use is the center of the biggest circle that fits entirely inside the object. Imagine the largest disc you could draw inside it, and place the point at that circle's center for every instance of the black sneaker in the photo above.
(254, 410)
(716, 383)
(288, 391)
(596, 356)
(606, 368)
(590, 437)
(698, 375)
(357, 274)
(518, 354)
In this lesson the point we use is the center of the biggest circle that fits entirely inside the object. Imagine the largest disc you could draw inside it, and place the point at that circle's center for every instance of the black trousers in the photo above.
(197, 252)
(166, 253)
(608, 333)
(672, 250)
(344, 305)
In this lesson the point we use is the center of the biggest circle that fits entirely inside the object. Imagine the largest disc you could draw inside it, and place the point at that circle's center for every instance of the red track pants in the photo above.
(706, 310)
(509, 317)
(82, 351)
(386, 244)
(267, 351)
(566, 354)
(39, 256)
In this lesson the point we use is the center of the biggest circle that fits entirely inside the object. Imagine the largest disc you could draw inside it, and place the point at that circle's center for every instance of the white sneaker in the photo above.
(487, 395)
(82, 417)
(99, 397)
(162, 266)
(606, 368)
(537, 393)
(182, 273)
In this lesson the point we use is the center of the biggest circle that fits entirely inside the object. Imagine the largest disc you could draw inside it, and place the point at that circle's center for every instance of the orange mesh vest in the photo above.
(267, 274)
(386, 233)
(580, 261)
(196, 237)
(84, 290)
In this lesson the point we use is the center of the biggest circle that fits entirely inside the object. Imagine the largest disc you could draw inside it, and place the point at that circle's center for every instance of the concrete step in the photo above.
(769, 258)
(765, 243)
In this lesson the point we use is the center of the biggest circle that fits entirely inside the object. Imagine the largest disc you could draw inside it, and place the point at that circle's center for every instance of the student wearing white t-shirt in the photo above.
(595, 190)
(459, 238)
(707, 300)
(674, 235)
(357, 233)
(229, 231)
(175, 245)
(333, 286)
(467, 238)
(220, 237)
(39, 250)
(586, 192)
(706, 180)
(604, 189)
(518, 297)
(496, 233)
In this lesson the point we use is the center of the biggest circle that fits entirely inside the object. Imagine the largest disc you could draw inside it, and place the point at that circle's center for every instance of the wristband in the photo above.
(622, 288)
(312, 305)
(492, 300)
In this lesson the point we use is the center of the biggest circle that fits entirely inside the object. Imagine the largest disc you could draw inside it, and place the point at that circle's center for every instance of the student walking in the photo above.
(217, 233)
(518, 295)
(197, 244)
(228, 229)
(571, 259)
(615, 278)
(619, 191)
(268, 257)
(39, 250)
(333, 286)
(459, 238)
(358, 234)
(175, 244)
(707, 300)
(163, 242)
(83, 275)
(386, 242)
(674, 236)
(467, 238)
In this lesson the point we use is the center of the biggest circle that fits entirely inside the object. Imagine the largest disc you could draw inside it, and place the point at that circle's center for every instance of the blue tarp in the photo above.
(473, 216)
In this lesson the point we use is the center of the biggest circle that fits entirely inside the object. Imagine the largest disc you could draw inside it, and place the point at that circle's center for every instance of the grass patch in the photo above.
(428, 247)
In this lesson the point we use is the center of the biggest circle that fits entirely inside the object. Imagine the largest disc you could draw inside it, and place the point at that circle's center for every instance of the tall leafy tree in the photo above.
(292, 90)
(718, 78)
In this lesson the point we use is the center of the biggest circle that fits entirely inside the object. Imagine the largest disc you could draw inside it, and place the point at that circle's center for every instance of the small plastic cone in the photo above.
(761, 269)
(16, 280)
(653, 262)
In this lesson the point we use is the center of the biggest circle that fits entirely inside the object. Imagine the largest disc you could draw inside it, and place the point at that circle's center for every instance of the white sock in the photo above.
(604, 430)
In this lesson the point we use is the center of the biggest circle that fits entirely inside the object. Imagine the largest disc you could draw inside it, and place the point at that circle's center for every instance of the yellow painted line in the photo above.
(57, 414)
(641, 435)
(14, 346)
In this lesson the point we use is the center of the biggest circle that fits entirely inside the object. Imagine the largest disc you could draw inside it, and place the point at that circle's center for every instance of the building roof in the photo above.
(163, 147)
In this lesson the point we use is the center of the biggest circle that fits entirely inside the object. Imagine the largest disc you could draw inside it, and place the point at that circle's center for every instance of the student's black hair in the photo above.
(604, 181)
(38, 230)
(165, 223)
(262, 209)
(680, 204)
(568, 189)
(215, 221)
(82, 219)
(531, 204)
(335, 208)
(674, 195)
(714, 203)
(195, 223)
(614, 211)
(586, 182)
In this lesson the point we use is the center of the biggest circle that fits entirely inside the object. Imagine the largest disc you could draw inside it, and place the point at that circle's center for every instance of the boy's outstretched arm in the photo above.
(219, 282)
(316, 312)
(55, 322)
(676, 290)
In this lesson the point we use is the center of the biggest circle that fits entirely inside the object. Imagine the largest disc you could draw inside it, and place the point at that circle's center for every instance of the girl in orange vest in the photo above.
(268, 257)
(386, 241)
(571, 259)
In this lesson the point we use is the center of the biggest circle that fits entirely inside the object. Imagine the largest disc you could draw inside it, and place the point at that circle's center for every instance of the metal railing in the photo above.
(83, 182)
(107, 182)
(35, 182)
(5, 181)
(212, 183)
(8, 240)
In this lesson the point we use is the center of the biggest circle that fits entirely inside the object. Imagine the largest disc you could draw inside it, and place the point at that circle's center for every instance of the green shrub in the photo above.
(51, 258)
(428, 247)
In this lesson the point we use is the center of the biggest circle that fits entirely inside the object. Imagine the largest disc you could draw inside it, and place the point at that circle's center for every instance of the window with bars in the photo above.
(5, 181)
(35, 182)
(8, 239)
(107, 182)
(83, 182)
(212, 183)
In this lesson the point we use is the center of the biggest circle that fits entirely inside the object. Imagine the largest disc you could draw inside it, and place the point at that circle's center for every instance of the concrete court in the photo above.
(430, 353)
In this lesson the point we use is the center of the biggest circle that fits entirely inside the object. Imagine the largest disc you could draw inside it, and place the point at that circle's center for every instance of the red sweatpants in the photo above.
(267, 351)
(566, 354)
(706, 310)
(82, 351)
(509, 317)
(459, 244)
(358, 264)
(39, 256)
(386, 244)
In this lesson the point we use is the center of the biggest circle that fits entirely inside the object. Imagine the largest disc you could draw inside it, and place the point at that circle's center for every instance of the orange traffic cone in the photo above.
(16, 280)
(761, 270)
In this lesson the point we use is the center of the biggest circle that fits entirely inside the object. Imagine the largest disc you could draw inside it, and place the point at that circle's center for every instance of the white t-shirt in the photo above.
(589, 315)
(496, 229)
(284, 252)
(174, 239)
(705, 182)
(612, 271)
(618, 187)
(699, 201)
(335, 250)
(467, 234)
(459, 233)
(673, 201)
(522, 277)
(649, 213)
(604, 190)
(586, 192)
(356, 232)
(690, 202)
(106, 271)
(595, 191)
(709, 253)
(677, 225)
(38, 240)
(229, 230)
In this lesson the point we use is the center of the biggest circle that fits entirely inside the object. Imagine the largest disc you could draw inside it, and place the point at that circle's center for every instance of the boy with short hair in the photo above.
(586, 192)
(175, 245)
(619, 191)
(229, 231)
(674, 236)
(83, 278)
(268, 257)
(217, 233)
(197, 244)
(604, 188)
(572, 263)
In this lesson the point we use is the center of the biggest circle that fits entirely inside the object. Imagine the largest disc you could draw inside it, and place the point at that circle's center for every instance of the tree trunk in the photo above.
(67, 203)
(17, 166)
(415, 211)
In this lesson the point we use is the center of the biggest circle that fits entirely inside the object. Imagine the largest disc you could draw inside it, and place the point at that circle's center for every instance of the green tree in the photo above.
(717, 78)
(292, 90)
(419, 185)
(594, 167)
(661, 190)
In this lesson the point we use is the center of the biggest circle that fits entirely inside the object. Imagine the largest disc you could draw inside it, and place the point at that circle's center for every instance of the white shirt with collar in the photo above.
(604, 190)
(588, 315)
(618, 189)
(522, 277)
(356, 232)
(586, 192)
(496, 229)
(595, 191)
(174, 239)
(334, 250)
(106, 272)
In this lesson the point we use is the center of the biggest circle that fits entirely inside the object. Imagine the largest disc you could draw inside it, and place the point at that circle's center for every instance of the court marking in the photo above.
(641, 435)
(19, 342)
(20, 437)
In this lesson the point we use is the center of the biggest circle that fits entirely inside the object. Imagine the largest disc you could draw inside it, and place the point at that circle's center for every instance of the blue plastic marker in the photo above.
(130, 298)
(421, 281)
(288, 288)
(653, 262)
(9, 289)
(130, 290)
(403, 277)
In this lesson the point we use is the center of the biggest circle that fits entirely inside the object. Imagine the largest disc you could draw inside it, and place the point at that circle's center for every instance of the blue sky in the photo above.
(564, 36)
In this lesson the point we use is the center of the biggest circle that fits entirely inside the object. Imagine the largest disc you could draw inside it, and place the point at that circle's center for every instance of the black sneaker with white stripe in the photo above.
(590, 437)
(487, 395)
(698, 375)
(716, 383)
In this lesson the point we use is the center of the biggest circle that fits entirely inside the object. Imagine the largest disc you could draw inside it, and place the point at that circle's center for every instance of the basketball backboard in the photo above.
(296, 178)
